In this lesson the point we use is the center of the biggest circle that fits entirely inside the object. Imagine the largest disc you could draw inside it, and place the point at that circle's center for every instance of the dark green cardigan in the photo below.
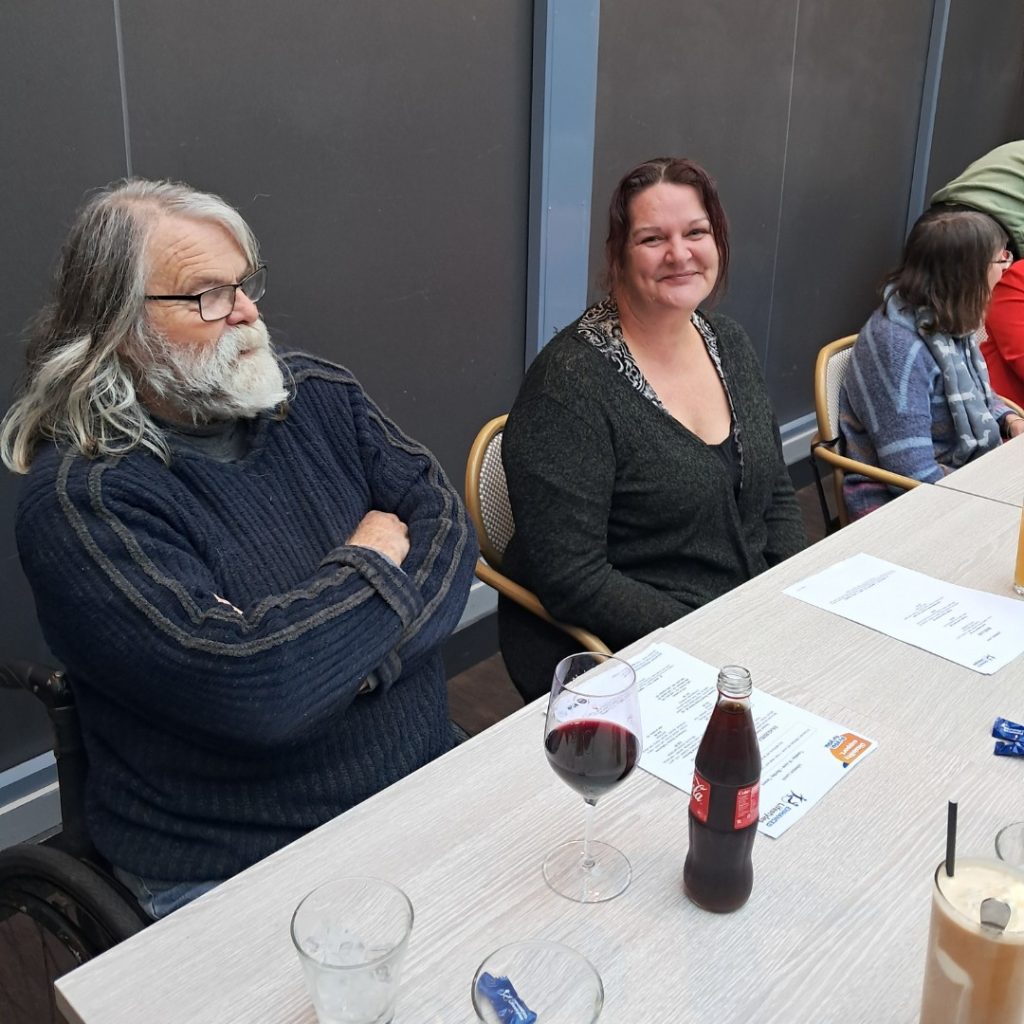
(626, 521)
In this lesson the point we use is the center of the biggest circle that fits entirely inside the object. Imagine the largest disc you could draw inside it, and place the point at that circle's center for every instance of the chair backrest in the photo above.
(487, 493)
(829, 374)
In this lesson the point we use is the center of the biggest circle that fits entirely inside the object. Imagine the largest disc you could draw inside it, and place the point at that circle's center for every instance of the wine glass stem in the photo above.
(588, 831)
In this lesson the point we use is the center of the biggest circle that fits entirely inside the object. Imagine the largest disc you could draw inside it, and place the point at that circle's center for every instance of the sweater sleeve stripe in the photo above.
(197, 616)
(450, 514)
(451, 535)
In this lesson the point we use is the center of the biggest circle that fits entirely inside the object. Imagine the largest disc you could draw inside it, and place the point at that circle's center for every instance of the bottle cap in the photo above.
(734, 681)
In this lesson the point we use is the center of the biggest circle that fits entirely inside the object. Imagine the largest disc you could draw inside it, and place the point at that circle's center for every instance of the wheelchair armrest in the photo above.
(48, 684)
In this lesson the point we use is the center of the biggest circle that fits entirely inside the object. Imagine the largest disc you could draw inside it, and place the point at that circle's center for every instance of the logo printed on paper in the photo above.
(700, 796)
(847, 747)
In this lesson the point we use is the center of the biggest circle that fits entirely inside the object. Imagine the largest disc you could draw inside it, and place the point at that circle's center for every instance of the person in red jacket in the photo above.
(1003, 345)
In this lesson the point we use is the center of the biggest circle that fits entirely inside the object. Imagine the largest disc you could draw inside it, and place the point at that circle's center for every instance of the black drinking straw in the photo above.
(951, 839)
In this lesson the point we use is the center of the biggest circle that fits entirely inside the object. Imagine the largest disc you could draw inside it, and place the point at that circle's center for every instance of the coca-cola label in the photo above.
(700, 797)
(748, 802)
(745, 812)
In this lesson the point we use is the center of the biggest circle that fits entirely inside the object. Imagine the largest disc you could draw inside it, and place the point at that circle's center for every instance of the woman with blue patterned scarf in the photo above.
(916, 399)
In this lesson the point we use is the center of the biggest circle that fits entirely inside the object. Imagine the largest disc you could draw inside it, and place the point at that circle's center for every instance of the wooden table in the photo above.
(836, 927)
(998, 474)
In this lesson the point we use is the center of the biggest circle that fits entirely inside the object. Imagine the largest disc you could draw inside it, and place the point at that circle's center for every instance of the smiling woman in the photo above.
(642, 454)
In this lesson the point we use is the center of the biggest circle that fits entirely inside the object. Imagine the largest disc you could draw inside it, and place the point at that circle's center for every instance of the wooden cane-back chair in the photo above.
(488, 506)
(829, 374)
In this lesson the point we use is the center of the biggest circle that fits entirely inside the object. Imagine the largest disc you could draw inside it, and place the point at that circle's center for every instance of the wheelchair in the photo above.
(60, 905)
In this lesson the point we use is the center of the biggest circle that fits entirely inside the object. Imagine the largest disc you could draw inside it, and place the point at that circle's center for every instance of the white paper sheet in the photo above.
(969, 627)
(802, 755)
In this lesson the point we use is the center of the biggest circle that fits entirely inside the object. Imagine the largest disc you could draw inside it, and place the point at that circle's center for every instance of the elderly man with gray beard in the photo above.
(246, 569)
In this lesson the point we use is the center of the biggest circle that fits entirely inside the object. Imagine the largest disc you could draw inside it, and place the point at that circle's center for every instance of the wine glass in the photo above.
(593, 740)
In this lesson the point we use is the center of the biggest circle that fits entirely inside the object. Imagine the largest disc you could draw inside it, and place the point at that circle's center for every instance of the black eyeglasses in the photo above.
(1005, 259)
(217, 303)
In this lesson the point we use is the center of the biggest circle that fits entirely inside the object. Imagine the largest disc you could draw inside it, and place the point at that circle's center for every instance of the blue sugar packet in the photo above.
(500, 993)
(1009, 748)
(1004, 729)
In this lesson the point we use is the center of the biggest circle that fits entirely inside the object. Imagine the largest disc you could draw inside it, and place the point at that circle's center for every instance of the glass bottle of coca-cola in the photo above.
(718, 874)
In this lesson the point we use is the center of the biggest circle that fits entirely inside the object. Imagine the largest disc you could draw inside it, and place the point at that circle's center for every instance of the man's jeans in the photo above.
(158, 899)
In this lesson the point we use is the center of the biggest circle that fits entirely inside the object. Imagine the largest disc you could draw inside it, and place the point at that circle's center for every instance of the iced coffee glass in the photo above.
(1018, 572)
(974, 973)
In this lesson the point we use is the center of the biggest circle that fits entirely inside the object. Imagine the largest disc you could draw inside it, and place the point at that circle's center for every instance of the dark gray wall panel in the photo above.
(981, 92)
(381, 152)
(690, 78)
(856, 97)
(806, 113)
(61, 134)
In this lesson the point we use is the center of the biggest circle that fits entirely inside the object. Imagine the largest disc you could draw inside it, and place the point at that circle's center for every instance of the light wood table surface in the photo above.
(836, 927)
(998, 474)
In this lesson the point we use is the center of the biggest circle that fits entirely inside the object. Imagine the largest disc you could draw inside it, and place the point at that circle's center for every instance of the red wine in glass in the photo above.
(592, 756)
(593, 741)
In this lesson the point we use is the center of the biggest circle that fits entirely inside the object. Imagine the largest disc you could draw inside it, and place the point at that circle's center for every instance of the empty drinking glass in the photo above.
(1010, 844)
(351, 935)
(540, 981)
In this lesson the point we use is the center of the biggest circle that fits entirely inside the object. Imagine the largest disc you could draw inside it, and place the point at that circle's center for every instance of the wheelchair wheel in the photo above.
(56, 912)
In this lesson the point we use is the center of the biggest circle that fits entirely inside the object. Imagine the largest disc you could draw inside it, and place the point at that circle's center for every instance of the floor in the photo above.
(484, 694)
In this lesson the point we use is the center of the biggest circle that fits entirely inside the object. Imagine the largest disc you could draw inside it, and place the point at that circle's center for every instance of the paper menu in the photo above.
(802, 755)
(973, 628)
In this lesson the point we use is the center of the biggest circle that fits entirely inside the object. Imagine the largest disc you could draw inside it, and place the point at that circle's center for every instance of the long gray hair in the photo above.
(79, 387)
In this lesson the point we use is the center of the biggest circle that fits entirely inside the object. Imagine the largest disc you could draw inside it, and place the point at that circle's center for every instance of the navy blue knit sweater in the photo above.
(215, 735)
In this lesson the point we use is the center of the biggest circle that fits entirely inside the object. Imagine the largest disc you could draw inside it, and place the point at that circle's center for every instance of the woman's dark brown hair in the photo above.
(673, 171)
(945, 267)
